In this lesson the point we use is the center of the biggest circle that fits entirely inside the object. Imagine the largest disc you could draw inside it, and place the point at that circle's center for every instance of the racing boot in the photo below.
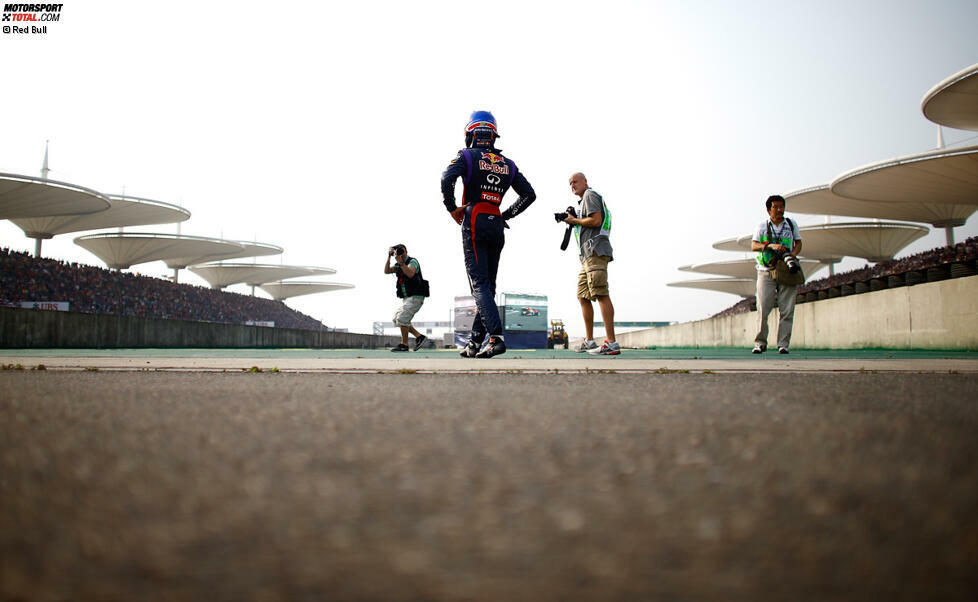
(471, 349)
(495, 346)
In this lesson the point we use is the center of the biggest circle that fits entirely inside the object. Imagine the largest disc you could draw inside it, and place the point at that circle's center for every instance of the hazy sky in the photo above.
(324, 127)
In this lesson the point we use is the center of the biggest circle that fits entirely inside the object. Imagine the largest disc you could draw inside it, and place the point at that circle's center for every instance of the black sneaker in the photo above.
(470, 350)
(400, 347)
(418, 342)
(496, 346)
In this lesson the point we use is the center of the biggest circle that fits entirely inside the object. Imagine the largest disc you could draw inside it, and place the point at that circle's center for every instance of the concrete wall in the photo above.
(936, 315)
(23, 328)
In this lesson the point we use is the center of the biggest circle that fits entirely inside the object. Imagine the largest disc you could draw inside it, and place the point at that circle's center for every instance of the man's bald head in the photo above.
(578, 184)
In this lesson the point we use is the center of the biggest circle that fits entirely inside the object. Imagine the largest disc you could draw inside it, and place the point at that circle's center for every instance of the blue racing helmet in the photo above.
(481, 130)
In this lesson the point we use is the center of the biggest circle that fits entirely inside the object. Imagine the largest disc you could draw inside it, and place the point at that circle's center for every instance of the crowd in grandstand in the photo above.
(94, 290)
(965, 252)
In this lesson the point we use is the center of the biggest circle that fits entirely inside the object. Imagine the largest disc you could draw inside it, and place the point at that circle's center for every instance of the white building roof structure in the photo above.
(742, 287)
(943, 176)
(124, 211)
(744, 268)
(820, 200)
(948, 176)
(284, 290)
(829, 243)
(872, 241)
(247, 249)
(732, 244)
(219, 275)
(27, 196)
(954, 101)
(938, 187)
(121, 250)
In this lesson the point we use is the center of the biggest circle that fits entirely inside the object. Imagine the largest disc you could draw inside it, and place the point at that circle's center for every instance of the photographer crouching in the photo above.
(778, 243)
(410, 287)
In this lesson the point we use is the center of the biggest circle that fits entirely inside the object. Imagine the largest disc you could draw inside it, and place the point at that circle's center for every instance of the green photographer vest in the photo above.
(766, 257)
(605, 224)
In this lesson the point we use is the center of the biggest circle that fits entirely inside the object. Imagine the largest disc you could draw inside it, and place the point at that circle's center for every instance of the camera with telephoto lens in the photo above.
(559, 217)
(397, 250)
(789, 260)
(792, 263)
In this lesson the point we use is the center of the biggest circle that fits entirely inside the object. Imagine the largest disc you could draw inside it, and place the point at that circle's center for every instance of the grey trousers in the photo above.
(769, 291)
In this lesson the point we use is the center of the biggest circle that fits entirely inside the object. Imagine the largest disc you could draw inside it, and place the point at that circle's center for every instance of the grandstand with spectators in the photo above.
(88, 289)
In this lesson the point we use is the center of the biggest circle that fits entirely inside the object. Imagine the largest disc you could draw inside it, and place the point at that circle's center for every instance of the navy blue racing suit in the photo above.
(486, 175)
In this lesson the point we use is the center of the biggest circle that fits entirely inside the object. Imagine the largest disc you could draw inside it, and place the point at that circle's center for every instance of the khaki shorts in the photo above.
(592, 281)
(409, 307)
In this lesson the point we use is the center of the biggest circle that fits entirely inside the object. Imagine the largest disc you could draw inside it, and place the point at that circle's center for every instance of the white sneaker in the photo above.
(606, 348)
(587, 346)
(758, 348)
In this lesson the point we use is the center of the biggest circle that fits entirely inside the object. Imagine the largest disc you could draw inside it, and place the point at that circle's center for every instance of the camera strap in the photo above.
(791, 233)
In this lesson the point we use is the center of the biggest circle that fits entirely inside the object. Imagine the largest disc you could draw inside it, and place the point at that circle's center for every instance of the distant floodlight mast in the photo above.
(44, 176)
(44, 166)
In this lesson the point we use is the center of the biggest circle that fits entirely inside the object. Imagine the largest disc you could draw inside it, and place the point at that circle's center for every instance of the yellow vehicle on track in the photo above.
(557, 336)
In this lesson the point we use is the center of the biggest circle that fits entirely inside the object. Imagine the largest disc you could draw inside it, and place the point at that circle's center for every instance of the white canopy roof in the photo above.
(820, 200)
(872, 241)
(220, 275)
(828, 243)
(244, 249)
(732, 244)
(954, 101)
(744, 268)
(125, 249)
(283, 290)
(743, 287)
(26, 196)
(125, 211)
(943, 176)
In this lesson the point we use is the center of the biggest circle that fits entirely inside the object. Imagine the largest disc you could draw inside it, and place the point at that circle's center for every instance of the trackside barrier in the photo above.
(935, 315)
(30, 328)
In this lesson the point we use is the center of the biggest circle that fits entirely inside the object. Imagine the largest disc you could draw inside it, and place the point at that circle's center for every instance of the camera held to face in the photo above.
(397, 250)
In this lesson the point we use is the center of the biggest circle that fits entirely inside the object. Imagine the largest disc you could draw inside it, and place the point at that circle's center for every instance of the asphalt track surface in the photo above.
(176, 484)
(444, 361)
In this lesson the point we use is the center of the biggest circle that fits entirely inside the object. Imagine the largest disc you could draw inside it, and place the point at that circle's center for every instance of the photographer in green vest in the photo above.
(776, 239)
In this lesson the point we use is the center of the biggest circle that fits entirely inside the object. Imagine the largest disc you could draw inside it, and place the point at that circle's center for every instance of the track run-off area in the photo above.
(368, 475)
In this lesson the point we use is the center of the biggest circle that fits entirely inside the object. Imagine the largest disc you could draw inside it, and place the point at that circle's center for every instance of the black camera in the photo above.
(560, 217)
(397, 250)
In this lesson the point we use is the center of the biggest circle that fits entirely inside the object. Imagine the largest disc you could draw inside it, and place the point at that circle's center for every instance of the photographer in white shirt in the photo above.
(776, 238)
